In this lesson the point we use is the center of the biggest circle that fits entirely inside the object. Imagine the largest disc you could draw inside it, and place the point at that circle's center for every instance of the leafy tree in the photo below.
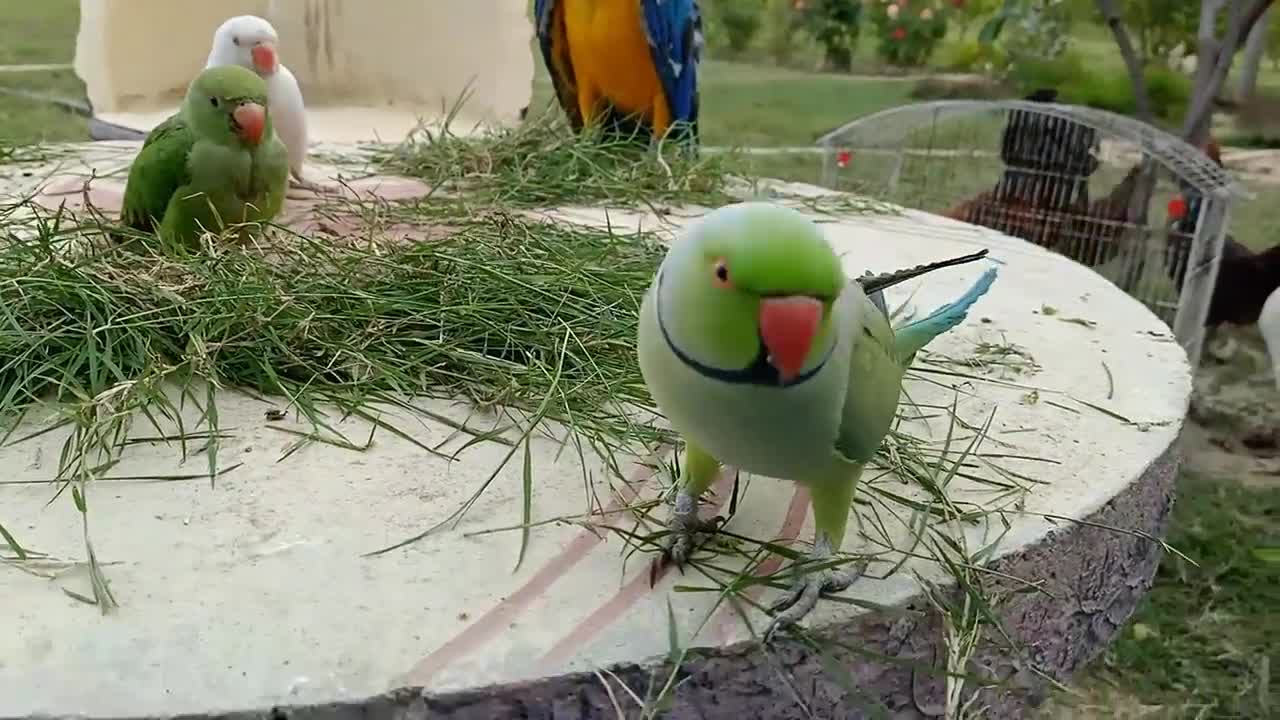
(908, 30)
(834, 24)
(967, 12)
(1273, 44)
(783, 24)
(1161, 25)
(1037, 29)
(1254, 47)
(1222, 27)
(740, 20)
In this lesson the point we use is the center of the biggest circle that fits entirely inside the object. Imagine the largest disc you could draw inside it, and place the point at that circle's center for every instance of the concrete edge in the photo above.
(100, 130)
(1094, 577)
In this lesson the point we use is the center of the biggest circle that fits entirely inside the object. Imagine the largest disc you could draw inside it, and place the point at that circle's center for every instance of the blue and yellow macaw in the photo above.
(629, 65)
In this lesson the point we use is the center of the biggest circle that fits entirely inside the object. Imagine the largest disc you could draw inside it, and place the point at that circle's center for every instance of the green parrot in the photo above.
(217, 162)
(763, 355)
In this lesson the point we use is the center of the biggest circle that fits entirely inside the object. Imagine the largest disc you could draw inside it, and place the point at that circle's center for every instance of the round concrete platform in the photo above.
(255, 594)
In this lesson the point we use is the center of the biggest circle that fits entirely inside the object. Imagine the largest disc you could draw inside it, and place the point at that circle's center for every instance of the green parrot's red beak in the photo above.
(251, 122)
(788, 326)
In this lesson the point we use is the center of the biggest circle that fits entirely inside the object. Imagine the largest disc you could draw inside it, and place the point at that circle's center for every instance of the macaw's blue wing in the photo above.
(549, 18)
(674, 29)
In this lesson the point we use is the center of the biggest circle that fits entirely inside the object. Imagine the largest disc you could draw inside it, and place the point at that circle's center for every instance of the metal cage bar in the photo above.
(1027, 169)
(1202, 275)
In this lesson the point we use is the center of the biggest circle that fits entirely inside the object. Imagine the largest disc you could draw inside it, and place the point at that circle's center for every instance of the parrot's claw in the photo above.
(803, 596)
(685, 526)
(684, 533)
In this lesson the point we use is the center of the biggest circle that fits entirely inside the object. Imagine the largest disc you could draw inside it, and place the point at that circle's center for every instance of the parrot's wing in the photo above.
(913, 336)
(156, 174)
(674, 29)
(549, 16)
(916, 334)
(880, 355)
(875, 377)
(876, 297)
(274, 159)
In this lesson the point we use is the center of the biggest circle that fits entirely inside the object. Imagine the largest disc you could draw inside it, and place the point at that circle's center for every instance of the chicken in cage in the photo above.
(1088, 184)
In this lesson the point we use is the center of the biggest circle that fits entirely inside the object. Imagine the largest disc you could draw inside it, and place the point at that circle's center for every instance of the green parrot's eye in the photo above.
(213, 101)
(722, 274)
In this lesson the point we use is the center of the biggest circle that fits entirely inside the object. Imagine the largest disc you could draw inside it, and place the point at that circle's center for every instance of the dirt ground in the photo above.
(1235, 412)
(1261, 165)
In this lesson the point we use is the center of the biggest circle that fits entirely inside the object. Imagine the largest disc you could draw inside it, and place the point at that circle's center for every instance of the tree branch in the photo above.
(1132, 63)
(1196, 124)
(1255, 45)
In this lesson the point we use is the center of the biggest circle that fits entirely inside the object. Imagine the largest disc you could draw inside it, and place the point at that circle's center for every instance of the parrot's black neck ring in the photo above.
(759, 372)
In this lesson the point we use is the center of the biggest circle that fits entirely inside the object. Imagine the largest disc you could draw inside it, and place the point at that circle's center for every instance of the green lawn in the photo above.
(1202, 641)
(41, 32)
(749, 105)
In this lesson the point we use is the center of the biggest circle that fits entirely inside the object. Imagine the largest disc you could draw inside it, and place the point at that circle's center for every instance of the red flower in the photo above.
(843, 157)
(957, 3)
(899, 33)
(1178, 207)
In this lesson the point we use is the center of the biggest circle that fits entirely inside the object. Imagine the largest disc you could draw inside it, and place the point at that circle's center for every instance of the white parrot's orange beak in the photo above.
(788, 326)
(251, 122)
(264, 57)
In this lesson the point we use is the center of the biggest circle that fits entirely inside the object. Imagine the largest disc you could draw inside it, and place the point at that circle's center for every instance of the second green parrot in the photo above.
(763, 355)
(214, 164)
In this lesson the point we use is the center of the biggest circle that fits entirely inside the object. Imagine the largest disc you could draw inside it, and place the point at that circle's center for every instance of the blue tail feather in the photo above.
(913, 336)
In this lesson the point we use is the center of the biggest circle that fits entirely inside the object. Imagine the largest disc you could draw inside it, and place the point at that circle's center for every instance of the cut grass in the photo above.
(532, 321)
(483, 313)
(541, 164)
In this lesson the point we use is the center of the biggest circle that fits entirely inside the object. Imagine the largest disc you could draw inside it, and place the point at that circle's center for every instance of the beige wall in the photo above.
(137, 56)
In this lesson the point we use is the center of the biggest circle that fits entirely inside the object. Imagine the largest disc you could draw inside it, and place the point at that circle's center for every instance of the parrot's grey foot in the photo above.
(684, 533)
(685, 526)
(803, 596)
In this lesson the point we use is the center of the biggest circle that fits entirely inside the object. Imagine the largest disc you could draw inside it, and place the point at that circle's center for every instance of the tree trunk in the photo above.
(1214, 60)
(1132, 63)
(1254, 48)
(838, 58)
(1206, 47)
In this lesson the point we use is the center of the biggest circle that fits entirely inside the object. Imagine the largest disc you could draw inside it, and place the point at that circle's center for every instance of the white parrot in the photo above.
(250, 42)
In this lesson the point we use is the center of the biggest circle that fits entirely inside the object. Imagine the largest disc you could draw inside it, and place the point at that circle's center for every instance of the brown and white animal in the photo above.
(1042, 195)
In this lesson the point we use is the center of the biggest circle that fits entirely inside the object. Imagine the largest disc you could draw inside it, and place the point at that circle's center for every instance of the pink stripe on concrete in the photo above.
(792, 524)
(635, 588)
(501, 615)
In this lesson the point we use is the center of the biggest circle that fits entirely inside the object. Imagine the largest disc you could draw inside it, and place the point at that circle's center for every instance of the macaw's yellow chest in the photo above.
(611, 59)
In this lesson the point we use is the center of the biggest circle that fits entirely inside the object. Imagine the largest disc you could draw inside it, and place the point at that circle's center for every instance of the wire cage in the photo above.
(1140, 206)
